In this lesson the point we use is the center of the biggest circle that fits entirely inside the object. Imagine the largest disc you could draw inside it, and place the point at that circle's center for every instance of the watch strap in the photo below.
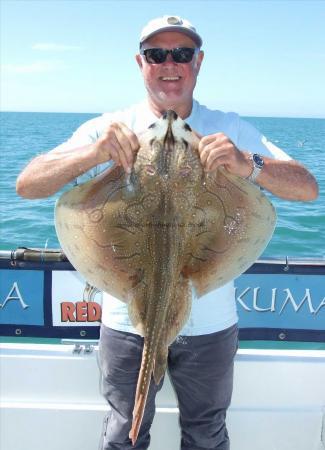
(256, 167)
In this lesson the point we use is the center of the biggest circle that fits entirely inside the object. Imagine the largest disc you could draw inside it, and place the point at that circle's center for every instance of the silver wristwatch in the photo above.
(258, 164)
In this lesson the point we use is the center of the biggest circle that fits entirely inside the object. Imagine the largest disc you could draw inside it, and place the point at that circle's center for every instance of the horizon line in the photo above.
(100, 113)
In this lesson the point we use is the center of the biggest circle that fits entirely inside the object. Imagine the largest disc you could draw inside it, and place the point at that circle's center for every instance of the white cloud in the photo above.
(51, 47)
(34, 67)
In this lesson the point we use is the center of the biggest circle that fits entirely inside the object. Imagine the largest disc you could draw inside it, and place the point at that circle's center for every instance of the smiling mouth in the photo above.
(170, 78)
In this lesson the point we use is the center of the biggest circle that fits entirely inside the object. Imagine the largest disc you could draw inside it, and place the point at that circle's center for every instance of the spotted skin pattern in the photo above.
(149, 236)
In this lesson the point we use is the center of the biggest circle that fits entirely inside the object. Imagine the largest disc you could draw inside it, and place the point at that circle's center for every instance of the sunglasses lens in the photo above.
(155, 55)
(183, 54)
(159, 55)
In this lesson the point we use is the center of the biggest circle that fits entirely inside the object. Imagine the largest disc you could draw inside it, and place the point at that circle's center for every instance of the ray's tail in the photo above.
(147, 366)
(166, 321)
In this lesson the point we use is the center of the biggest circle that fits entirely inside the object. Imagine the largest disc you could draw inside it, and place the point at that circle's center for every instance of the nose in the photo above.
(170, 58)
(170, 115)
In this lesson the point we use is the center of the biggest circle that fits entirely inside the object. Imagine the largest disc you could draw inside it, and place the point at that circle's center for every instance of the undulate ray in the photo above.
(146, 238)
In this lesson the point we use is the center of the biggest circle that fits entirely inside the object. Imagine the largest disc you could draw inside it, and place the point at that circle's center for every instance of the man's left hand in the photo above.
(218, 150)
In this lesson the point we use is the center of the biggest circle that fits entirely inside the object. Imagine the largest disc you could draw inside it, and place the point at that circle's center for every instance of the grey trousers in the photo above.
(201, 371)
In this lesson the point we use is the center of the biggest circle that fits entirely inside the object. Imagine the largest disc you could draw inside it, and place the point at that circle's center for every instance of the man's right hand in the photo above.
(117, 143)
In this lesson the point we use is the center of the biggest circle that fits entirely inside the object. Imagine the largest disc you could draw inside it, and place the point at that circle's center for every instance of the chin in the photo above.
(171, 98)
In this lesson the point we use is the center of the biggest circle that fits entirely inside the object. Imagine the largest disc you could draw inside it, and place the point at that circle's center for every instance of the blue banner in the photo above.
(274, 301)
(21, 297)
(281, 301)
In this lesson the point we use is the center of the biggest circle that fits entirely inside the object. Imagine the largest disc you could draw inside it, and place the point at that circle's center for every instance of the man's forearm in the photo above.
(288, 180)
(48, 173)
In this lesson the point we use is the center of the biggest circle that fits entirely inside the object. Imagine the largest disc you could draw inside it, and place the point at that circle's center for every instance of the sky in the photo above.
(262, 58)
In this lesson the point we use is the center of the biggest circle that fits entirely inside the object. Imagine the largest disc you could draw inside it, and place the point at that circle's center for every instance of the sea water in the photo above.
(300, 230)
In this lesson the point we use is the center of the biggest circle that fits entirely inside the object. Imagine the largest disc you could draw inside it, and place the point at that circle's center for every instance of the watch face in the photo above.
(258, 160)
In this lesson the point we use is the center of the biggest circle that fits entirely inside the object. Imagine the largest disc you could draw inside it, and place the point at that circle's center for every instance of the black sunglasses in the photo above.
(159, 55)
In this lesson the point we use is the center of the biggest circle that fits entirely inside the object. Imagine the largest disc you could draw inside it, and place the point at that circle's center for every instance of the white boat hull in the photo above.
(50, 399)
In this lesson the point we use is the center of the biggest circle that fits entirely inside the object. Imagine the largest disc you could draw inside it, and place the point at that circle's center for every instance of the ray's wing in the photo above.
(97, 225)
(236, 221)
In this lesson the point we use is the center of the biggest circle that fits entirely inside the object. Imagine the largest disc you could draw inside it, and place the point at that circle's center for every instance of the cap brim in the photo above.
(195, 37)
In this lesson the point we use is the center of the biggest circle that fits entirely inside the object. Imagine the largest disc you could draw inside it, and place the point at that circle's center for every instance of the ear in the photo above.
(139, 60)
(198, 61)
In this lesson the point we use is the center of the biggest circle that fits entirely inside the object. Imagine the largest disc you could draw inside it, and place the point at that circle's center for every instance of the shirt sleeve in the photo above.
(86, 134)
(251, 140)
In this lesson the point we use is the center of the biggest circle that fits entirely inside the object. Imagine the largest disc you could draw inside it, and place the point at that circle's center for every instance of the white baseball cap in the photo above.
(170, 23)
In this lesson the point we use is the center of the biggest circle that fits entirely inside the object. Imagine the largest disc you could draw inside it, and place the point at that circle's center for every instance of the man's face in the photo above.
(170, 84)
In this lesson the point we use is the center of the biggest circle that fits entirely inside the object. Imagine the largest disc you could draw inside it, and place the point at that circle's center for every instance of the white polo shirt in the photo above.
(216, 310)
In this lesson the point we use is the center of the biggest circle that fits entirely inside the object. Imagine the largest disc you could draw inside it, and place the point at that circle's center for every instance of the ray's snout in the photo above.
(170, 115)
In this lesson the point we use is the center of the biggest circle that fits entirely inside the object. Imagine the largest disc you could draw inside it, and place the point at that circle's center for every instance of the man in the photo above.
(200, 364)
